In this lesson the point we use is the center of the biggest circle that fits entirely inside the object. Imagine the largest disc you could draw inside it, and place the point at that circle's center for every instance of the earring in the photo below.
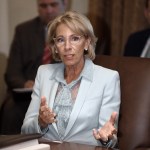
(56, 51)
(85, 51)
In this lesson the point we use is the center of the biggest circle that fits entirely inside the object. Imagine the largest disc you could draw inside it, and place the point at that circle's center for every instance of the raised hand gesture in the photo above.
(108, 130)
(46, 115)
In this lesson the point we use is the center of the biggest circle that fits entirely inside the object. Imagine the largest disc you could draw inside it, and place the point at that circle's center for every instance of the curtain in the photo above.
(114, 21)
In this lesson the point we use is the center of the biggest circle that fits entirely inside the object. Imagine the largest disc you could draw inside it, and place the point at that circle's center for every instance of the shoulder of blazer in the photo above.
(49, 68)
(102, 71)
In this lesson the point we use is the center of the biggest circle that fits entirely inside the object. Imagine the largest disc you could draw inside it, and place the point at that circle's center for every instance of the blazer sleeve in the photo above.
(111, 103)
(111, 98)
(30, 124)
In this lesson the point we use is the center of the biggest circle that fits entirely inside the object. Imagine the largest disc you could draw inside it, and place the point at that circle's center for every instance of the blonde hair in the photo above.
(79, 24)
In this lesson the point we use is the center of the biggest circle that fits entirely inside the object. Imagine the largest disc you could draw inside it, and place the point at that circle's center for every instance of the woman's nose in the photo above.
(67, 44)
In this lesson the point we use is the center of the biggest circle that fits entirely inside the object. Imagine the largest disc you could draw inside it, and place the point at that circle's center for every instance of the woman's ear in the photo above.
(55, 49)
(87, 43)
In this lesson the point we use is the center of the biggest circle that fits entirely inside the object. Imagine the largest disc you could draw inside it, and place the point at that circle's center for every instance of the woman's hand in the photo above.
(106, 132)
(29, 84)
(46, 115)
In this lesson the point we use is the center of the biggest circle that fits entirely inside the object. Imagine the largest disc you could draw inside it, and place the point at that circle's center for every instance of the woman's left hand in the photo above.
(106, 132)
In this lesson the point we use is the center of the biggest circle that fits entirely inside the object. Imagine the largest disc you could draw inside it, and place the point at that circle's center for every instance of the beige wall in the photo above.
(80, 5)
(19, 11)
(4, 44)
(13, 12)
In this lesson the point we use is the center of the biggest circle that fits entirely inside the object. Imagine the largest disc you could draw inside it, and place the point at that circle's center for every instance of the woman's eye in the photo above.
(75, 38)
(60, 40)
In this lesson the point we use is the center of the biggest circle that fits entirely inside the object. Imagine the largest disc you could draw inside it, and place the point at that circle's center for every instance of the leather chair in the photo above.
(134, 119)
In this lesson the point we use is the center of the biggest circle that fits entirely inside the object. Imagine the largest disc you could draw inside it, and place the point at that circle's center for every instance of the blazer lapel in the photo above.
(84, 86)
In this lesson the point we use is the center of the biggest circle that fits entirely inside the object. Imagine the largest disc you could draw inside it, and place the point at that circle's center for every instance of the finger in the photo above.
(43, 101)
(104, 136)
(95, 134)
(110, 136)
(113, 118)
(52, 114)
(114, 131)
(51, 120)
(48, 119)
(43, 105)
(44, 109)
(45, 114)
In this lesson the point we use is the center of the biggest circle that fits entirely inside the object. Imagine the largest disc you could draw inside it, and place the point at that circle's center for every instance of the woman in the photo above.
(75, 100)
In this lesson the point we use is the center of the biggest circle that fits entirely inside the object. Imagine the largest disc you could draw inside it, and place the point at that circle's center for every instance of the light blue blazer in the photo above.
(97, 98)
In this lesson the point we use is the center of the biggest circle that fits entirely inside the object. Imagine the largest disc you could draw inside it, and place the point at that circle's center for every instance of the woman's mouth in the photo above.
(69, 56)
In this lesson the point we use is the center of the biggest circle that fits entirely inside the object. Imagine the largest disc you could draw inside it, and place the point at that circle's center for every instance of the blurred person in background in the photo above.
(138, 43)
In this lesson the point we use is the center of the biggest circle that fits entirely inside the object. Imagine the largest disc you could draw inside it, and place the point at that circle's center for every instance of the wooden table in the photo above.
(72, 146)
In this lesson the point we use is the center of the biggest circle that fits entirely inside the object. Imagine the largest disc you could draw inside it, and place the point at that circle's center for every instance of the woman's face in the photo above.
(70, 46)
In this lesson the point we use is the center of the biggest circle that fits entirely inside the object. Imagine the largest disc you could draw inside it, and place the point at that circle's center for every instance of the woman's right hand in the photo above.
(46, 115)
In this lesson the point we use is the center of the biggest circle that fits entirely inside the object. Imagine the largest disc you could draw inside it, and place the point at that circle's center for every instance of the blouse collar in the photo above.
(87, 71)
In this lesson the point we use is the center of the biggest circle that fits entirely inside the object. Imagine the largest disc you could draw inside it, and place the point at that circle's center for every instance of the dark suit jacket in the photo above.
(25, 53)
(136, 42)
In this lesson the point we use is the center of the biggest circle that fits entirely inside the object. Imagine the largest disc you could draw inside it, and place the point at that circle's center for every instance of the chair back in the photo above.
(134, 119)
